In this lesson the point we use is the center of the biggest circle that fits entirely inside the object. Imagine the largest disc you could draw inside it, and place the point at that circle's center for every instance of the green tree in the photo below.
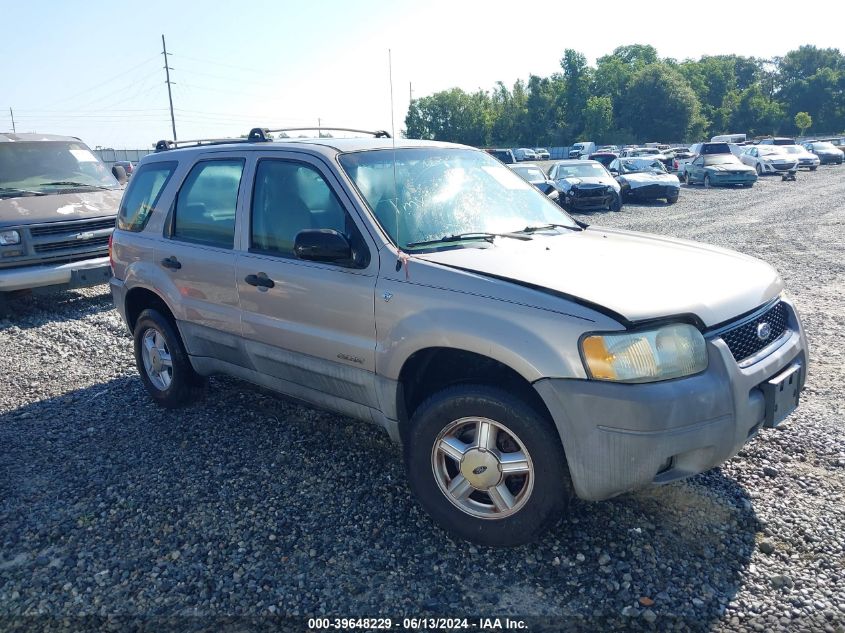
(803, 121)
(756, 113)
(451, 115)
(660, 104)
(576, 90)
(598, 119)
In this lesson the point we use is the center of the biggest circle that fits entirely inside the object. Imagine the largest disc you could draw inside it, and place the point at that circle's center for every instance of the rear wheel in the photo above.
(759, 169)
(687, 178)
(486, 466)
(707, 184)
(616, 202)
(163, 362)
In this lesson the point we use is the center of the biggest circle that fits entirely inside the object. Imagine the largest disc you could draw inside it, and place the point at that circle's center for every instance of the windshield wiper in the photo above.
(544, 227)
(16, 190)
(473, 235)
(73, 183)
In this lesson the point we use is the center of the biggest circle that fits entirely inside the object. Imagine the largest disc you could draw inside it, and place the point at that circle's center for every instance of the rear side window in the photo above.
(207, 201)
(142, 195)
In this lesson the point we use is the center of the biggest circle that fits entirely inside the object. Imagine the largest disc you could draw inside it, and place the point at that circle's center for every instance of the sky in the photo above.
(94, 69)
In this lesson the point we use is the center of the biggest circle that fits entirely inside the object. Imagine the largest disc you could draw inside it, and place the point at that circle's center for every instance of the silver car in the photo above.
(519, 357)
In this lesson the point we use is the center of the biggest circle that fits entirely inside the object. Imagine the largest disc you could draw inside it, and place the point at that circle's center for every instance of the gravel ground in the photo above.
(248, 505)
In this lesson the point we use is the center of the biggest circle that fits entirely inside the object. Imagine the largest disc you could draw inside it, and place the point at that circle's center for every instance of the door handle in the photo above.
(171, 262)
(261, 280)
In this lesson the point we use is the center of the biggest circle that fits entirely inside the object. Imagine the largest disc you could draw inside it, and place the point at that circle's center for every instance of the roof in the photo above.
(325, 144)
(7, 137)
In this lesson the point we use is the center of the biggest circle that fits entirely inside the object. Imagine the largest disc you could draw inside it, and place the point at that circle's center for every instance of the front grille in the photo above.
(589, 192)
(743, 340)
(72, 227)
(74, 244)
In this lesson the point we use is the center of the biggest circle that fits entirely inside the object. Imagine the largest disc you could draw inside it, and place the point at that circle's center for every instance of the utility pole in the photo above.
(319, 127)
(411, 91)
(168, 82)
(12, 114)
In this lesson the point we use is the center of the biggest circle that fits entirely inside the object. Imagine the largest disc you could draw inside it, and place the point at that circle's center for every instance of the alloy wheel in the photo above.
(156, 357)
(482, 467)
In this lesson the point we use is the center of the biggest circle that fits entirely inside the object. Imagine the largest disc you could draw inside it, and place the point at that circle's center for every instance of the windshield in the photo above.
(47, 167)
(630, 165)
(580, 170)
(644, 151)
(440, 192)
(721, 159)
(823, 146)
(793, 149)
(531, 174)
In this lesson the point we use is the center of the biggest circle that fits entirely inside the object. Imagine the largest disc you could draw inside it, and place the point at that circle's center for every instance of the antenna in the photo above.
(393, 139)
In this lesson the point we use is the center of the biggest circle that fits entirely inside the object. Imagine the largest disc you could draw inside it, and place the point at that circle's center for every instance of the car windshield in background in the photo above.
(646, 151)
(583, 170)
(827, 146)
(437, 193)
(715, 148)
(630, 165)
(722, 159)
(51, 166)
(531, 174)
(793, 149)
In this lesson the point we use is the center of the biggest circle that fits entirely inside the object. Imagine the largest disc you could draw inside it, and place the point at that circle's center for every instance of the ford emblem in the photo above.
(764, 331)
(479, 469)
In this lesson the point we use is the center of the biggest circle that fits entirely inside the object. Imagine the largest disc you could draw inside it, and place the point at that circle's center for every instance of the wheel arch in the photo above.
(432, 369)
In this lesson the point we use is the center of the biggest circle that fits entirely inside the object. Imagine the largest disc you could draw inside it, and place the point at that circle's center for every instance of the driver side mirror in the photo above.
(613, 171)
(119, 173)
(322, 245)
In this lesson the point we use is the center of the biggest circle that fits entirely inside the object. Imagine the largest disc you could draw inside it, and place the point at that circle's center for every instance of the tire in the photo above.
(759, 170)
(814, 168)
(672, 199)
(707, 184)
(616, 203)
(179, 386)
(687, 178)
(529, 504)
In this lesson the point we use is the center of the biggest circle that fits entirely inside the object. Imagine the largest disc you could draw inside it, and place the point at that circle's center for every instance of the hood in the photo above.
(650, 177)
(590, 181)
(57, 207)
(733, 168)
(635, 275)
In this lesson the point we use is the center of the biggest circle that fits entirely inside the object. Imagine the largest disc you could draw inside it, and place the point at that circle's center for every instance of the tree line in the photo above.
(632, 95)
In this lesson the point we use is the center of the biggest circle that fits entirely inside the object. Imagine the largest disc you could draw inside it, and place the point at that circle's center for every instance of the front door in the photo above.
(309, 324)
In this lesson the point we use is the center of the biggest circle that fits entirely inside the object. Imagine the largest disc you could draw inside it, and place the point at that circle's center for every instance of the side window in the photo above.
(206, 204)
(289, 197)
(698, 161)
(142, 195)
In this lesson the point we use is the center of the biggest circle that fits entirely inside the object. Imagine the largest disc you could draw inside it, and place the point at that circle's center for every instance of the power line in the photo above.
(213, 63)
(169, 94)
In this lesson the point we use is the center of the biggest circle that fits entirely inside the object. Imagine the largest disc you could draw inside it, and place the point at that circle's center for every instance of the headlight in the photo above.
(668, 352)
(7, 238)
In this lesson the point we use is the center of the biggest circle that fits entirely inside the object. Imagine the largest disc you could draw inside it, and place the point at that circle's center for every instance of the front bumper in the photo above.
(620, 437)
(86, 272)
(600, 199)
(653, 192)
(734, 179)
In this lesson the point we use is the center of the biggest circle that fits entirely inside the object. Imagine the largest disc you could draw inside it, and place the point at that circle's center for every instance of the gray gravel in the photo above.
(248, 505)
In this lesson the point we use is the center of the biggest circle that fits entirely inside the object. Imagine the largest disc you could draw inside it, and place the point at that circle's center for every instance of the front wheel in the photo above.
(814, 168)
(707, 184)
(486, 466)
(759, 170)
(163, 362)
(616, 202)
(687, 178)
(672, 199)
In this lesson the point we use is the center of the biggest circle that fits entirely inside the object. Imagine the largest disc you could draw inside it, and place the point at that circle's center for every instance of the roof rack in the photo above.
(165, 144)
(260, 135)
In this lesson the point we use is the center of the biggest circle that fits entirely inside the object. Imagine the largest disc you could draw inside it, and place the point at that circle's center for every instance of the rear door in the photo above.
(198, 254)
(310, 324)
